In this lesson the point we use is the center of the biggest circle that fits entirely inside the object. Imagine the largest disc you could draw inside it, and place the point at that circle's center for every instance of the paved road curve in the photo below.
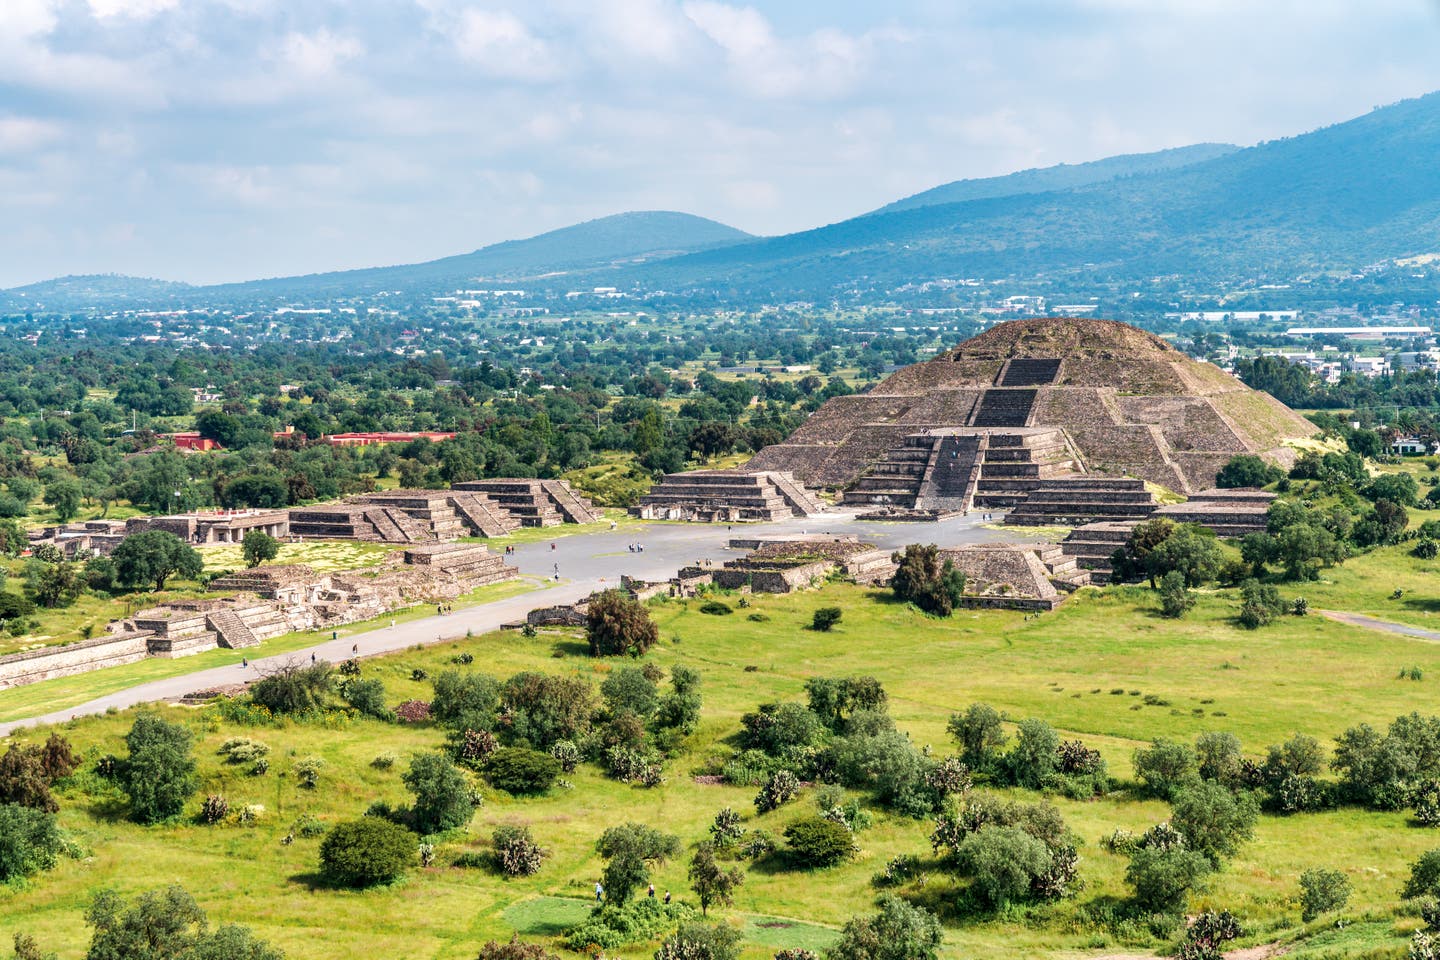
(585, 562)
(1375, 623)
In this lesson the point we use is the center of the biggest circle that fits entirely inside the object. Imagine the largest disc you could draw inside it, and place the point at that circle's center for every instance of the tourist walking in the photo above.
(599, 892)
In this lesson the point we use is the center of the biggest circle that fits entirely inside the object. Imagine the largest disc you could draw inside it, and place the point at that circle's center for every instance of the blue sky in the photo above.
(211, 140)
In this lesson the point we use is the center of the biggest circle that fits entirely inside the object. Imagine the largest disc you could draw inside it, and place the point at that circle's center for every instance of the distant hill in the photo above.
(622, 239)
(99, 286)
(1065, 176)
(1335, 199)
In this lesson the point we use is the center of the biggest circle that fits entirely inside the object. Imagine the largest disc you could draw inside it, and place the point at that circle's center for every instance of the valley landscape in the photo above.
(1033, 565)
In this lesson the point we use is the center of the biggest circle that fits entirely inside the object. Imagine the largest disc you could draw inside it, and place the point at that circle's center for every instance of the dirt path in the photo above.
(1375, 623)
(1266, 951)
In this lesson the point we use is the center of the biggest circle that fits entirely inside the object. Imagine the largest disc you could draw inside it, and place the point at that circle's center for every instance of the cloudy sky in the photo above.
(210, 140)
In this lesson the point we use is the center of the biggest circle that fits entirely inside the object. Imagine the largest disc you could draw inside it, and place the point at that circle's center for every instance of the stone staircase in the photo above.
(896, 478)
(483, 515)
(1013, 464)
(801, 500)
(230, 630)
(1064, 570)
(1007, 407)
(723, 496)
(1028, 372)
(1092, 545)
(573, 507)
(1073, 501)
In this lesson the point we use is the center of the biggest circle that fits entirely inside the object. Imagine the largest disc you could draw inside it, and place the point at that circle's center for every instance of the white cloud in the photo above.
(499, 43)
(826, 64)
(20, 19)
(318, 54)
(138, 9)
(25, 134)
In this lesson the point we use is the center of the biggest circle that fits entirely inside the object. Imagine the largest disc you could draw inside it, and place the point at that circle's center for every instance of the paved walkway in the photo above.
(1375, 623)
(586, 562)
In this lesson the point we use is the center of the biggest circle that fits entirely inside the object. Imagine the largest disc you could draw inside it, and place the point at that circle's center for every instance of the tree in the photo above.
(1165, 767)
(442, 794)
(516, 852)
(825, 618)
(1132, 561)
(616, 624)
(1247, 470)
(258, 547)
(1213, 820)
(1004, 861)
(29, 841)
(154, 556)
(1322, 891)
(1175, 600)
(1190, 550)
(1219, 758)
(466, 701)
(900, 931)
(165, 925)
(629, 849)
(629, 690)
(159, 773)
(711, 882)
(27, 772)
(980, 735)
(52, 585)
(1032, 760)
(923, 580)
(701, 941)
(1163, 877)
(64, 496)
(362, 853)
(1260, 604)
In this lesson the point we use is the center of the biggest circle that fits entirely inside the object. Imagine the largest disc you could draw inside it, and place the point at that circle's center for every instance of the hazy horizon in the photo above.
(215, 140)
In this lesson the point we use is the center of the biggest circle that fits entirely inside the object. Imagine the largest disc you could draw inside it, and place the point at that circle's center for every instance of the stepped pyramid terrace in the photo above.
(1056, 421)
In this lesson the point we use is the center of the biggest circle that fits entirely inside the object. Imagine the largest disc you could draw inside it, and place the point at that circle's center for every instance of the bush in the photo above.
(466, 700)
(516, 852)
(782, 787)
(1260, 604)
(293, 687)
(239, 750)
(1322, 891)
(616, 624)
(159, 774)
(1424, 877)
(616, 925)
(307, 772)
(1426, 549)
(825, 618)
(215, 808)
(1164, 767)
(1247, 470)
(1207, 933)
(412, 711)
(27, 772)
(514, 949)
(1213, 820)
(368, 697)
(716, 608)
(701, 941)
(900, 931)
(817, 842)
(362, 853)
(442, 794)
(1163, 877)
(1004, 862)
(566, 754)
(920, 578)
(1175, 599)
(629, 849)
(30, 841)
(519, 771)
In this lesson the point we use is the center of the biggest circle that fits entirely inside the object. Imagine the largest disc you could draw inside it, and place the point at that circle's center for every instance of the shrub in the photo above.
(307, 772)
(519, 771)
(1004, 861)
(362, 853)
(442, 794)
(466, 700)
(825, 618)
(30, 841)
(1219, 758)
(215, 808)
(543, 709)
(293, 687)
(782, 787)
(1247, 470)
(516, 852)
(1164, 767)
(1175, 599)
(711, 882)
(368, 697)
(1033, 758)
(1260, 604)
(27, 772)
(716, 608)
(384, 761)
(566, 754)
(616, 624)
(412, 711)
(701, 941)
(900, 931)
(898, 870)
(159, 774)
(920, 578)
(1424, 878)
(1322, 891)
(817, 842)
(980, 735)
(1206, 935)
(1213, 820)
(514, 949)
(243, 750)
(616, 925)
(1162, 878)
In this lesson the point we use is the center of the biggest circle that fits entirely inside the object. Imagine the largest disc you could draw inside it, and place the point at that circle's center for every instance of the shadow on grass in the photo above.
(570, 648)
(1422, 604)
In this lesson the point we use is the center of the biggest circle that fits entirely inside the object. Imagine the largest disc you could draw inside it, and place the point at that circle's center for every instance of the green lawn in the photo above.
(1303, 674)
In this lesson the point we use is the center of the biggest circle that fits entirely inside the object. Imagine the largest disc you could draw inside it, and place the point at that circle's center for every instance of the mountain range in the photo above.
(1334, 199)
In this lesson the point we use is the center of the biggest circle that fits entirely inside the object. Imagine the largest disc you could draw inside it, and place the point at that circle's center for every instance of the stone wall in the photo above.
(32, 666)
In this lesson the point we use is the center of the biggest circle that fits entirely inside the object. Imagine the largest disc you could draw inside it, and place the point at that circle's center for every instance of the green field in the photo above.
(1304, 674)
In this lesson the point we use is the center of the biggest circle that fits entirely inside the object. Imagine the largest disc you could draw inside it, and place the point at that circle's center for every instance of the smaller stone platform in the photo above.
(727, 496)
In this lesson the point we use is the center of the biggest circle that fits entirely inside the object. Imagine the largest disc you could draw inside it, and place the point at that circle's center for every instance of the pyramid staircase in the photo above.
(573, 507)
(1093, 544)
(1028, 372)
(1072, 501)
(230, 630)
(483, 515)
(1007, 407)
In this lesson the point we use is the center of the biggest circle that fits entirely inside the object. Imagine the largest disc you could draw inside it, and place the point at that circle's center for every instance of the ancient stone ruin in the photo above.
(728, 496)
(1074, 415)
